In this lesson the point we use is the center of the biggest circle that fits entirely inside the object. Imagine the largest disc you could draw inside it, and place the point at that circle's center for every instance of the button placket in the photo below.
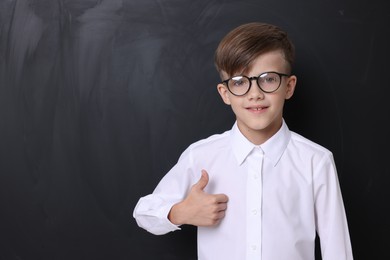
(254, 204)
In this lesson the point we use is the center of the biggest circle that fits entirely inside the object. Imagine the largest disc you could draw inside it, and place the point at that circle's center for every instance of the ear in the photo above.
(224, 93)
(291, 83)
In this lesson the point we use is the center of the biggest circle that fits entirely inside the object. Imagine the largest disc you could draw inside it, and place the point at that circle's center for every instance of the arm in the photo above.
(175, 201)
(331, 219)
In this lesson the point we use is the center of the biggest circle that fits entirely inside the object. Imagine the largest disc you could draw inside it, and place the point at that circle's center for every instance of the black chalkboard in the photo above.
(98, 98)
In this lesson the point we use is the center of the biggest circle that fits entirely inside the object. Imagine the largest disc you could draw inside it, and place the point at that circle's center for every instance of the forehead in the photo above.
(269, 61)
(266, 62)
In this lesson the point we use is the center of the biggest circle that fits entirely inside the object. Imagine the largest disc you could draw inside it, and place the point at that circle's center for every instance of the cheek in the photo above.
(278, 101)
(235, 105)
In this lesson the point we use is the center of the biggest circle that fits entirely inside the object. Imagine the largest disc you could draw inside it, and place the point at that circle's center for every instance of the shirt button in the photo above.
(254, 247)
(255, 176)
(254, 211)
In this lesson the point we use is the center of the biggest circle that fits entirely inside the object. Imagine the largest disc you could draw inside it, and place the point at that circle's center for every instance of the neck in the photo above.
(259, 136)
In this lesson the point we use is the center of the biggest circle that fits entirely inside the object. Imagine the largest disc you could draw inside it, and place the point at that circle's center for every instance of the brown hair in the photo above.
(240, 47)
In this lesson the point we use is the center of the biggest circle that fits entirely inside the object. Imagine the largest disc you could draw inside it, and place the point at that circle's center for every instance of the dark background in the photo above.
(99, 98)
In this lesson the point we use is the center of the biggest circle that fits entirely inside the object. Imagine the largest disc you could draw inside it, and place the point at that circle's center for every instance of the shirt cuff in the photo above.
(164, 215)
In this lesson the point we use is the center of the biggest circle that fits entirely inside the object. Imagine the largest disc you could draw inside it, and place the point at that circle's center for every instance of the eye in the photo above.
(238, 81)
(269, 78)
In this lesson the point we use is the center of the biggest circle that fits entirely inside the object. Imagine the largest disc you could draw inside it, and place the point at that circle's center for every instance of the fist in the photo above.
(199, 208)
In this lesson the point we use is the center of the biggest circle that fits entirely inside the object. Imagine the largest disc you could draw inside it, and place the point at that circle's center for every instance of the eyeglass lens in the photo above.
(268, 82)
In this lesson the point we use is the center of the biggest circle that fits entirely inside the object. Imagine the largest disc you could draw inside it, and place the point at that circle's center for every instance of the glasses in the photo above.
(268, 82)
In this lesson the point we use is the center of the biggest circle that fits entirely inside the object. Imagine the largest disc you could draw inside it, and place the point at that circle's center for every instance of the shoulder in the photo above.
(210, 145)
(301, 144)
(310, 155)
(213, 142)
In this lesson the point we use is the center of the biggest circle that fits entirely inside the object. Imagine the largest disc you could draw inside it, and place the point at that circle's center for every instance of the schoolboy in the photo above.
(258, 191)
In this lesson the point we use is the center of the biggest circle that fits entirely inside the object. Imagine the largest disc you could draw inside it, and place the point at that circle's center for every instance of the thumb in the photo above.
(203, 181)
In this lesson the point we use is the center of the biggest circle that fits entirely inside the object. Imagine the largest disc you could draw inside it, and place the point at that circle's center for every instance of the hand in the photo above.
(199, 208)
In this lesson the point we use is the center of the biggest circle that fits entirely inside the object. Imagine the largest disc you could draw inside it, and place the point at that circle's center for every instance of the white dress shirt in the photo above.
(280, 194)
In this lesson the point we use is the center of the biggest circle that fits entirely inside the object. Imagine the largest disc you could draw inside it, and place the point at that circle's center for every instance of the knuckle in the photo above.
(214, 200)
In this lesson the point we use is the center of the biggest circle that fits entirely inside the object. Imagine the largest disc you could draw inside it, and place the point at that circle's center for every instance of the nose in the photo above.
(255, 92)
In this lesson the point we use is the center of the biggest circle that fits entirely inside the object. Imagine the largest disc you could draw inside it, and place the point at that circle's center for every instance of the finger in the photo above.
(218, 217)
(221, 214)
(221, 198)
(203, 181)
(222, 207)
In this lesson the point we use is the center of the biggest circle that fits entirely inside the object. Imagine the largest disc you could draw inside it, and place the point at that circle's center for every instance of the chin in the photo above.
(258, 127)
(266, 127)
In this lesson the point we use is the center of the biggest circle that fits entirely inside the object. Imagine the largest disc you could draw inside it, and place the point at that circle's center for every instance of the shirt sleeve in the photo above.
(331, 218)
(151, 211)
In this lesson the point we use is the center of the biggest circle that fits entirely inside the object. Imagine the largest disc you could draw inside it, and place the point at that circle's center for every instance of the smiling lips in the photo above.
(256, 108)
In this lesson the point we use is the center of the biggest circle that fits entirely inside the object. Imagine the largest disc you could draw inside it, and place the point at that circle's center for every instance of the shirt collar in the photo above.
(273, 148)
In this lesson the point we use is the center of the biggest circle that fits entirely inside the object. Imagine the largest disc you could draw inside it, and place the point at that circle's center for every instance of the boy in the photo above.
(258, 191)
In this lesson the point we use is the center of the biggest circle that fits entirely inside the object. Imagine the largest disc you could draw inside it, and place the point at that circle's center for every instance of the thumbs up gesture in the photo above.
(199, 208)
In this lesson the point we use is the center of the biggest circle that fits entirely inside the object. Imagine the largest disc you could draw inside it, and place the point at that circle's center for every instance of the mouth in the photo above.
(256, 108)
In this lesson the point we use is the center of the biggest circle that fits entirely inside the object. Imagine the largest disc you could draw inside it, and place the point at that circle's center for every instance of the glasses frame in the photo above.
(225, 82)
